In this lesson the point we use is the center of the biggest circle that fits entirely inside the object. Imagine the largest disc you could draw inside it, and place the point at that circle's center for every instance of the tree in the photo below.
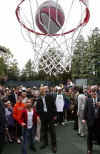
(5, 58)
(28, 72)
(13, 70)
(77, 66)
(86, 58)
(8, 65)
(6, 55)
(3, 68)
(94, 54)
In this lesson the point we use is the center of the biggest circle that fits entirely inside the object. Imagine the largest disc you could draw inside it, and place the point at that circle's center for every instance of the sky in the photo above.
(10, 32)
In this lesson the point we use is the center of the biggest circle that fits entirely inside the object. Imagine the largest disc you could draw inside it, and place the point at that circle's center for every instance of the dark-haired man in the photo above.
(3, 127)
(92, 117)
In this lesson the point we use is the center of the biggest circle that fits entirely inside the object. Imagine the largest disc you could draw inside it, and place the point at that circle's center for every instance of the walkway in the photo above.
(67, 143)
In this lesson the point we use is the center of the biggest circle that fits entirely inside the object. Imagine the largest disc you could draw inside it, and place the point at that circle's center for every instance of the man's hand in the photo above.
(23, 124)
(98, 104)
(38, 120)
(83, 121)
(6, 130)
(77, 113)
(54, 118)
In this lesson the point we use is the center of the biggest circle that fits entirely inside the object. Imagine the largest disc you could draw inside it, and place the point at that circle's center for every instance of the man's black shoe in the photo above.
(78, 134)
(43, 146)
(89, 152)
(33, 148)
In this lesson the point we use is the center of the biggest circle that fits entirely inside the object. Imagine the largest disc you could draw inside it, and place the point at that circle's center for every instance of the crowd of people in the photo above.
(27, 114)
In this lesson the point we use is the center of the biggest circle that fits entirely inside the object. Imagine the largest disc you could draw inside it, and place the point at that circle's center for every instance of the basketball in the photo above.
(49, 17)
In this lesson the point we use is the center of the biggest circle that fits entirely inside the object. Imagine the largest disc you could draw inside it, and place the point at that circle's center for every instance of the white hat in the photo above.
(58, 88)
(23, 89)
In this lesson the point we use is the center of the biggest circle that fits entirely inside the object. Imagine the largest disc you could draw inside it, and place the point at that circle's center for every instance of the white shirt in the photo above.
(59, 103)
(24, 100)
(29, 119)
(44, 104)
(81, 102)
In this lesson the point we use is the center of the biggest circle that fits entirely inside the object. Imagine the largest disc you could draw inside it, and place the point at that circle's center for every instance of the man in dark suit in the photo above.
(47, 111)
(3, 127)
(92, 117)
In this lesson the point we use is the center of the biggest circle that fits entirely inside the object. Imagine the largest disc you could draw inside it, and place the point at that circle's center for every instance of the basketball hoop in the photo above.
(61, 40)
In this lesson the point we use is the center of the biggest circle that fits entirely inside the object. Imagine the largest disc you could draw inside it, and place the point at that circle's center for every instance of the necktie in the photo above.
(94, 102)
(44, 104)
(95, 108)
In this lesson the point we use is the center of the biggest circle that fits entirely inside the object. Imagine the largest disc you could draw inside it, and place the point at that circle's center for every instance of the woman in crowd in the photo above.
(17, 110)
(10, 121)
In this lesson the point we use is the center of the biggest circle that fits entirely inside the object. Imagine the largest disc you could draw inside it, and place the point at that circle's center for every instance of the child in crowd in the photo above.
(28, 122)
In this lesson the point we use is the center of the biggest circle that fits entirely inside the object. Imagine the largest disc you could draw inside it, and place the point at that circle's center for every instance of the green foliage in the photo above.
(13, 70)
(8, 66)
(86, 58)
(3, 67)
(28, 72)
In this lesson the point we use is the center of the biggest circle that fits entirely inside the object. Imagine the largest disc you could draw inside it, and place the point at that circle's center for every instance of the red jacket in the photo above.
(17, 110)
(23, 118)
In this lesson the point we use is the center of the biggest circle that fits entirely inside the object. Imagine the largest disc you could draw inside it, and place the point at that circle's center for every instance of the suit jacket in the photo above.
(81, 105)
(89, 112)
(3, 122)
(12, 98)
(51, 107)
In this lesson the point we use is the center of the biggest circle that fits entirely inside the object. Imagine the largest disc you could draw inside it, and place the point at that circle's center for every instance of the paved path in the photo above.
(67, 143)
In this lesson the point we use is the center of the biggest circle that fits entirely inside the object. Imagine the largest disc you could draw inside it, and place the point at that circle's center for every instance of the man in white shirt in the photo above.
(81, 106)
(60, 106)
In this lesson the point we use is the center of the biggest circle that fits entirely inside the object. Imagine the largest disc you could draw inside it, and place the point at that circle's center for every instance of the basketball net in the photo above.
(53, 53)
